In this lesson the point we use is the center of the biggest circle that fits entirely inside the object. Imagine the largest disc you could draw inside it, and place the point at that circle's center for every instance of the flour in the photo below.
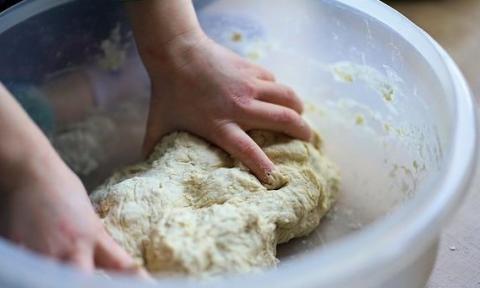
(114, 51)
(193, 210)
(82, 145)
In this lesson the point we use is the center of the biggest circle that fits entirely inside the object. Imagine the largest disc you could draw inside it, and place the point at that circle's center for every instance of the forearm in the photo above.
(164, 29)
(23, 147)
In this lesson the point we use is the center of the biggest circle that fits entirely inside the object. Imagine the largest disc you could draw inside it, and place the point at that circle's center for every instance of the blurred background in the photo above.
(4, 4)
(455, 24)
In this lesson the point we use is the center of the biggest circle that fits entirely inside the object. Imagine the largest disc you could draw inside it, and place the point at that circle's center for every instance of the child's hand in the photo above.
(204, 88)
(49, 212)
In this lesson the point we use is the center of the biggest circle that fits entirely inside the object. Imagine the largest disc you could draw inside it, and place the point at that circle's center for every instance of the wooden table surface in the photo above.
(455, 24)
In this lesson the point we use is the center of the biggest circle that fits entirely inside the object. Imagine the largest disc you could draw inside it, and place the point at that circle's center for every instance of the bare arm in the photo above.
(47, 205)
(160, 24)
(22, 144)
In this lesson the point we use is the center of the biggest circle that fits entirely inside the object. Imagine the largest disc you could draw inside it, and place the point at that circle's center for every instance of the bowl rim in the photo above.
(403, 227)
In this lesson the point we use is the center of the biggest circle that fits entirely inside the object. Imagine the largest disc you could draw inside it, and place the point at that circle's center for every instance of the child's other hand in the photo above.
(49, 212)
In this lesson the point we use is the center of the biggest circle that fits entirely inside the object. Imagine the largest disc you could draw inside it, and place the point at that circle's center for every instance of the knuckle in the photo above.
(263, 72)
(289, 93)
(217, 129)
(285, 116)
(245, 147)
(243, 96)
(242, 90)
(249, 89)
(267, 75)
(241, 106)
(66, 228)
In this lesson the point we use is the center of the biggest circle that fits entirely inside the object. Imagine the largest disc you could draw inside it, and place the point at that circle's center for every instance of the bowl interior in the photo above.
(381, 110)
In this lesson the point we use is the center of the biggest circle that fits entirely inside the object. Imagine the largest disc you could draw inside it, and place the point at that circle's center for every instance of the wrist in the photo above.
(180, 50)
(164, 30)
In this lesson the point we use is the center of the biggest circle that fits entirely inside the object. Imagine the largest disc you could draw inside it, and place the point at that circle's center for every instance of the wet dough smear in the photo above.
(191, 209)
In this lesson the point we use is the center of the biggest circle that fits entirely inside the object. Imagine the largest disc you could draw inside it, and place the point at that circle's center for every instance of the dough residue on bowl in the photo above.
(191, 209)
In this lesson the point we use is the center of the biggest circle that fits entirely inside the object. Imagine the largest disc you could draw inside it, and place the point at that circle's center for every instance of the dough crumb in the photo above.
(191, 209)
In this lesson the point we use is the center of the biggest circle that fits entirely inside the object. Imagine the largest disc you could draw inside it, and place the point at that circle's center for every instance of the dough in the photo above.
(191, 209)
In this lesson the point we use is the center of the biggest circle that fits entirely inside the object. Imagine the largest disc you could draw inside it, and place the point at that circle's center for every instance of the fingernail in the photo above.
(269, 178)
(276, 179)
(270, 171)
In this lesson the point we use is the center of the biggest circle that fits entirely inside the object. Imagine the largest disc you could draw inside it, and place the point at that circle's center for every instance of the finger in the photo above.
(139, 272)
(82, 257)
(236, 142)
(142, 273)
(110, 256)
(279, 94)
(262, 73)
(262, 115)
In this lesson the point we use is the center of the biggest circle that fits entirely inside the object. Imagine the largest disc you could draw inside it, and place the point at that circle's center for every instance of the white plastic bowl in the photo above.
(394, 110)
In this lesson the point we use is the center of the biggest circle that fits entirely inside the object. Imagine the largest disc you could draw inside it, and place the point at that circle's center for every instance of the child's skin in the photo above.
(197, 86)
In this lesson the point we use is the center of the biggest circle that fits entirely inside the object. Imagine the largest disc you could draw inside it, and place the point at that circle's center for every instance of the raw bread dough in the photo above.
(191, 209)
